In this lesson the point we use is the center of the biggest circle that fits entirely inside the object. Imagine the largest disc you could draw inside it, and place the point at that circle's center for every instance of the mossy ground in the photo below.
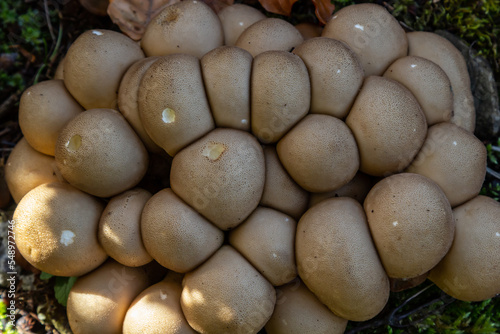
(37, 34)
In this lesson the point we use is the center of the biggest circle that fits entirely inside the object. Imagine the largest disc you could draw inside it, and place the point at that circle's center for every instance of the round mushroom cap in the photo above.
(281, 94)
(221, 176)
(172, 102)
(157, 310)
(266, 239)
(56, 230)
(280, 190)
(27, 168)
(235, 19)
(298, 311)
(95, 64)
(119, 230)
(226, 75)
(356, 189)
(471, 268)
(440, 51)
(269, 34)
(175, 235)
(226, 292)
(319, 153)
(336, 75)
(44, 109)
(128, 95)
(372, 33)
(428, 83)
(411, 223)
(98, 301)
(190, 27)
(337, 260)
(388, 124)
(453, 158)
(99, 153)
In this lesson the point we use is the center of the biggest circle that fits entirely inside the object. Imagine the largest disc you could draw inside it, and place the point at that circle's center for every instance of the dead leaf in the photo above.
(282, 7)
(132, 16)
(324, 10)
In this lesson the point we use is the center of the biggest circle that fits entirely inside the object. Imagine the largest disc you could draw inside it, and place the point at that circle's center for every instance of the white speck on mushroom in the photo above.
(413, 65)
(168, 115)
(284, 322)
(338, 71)
(67, 237)
(286, 219)
(497, 234)
(455, 143)
(163, 296)
(274, 255)
(98, 33)
(241, 24)
(395, 223)
(359, 26)
(244, 121)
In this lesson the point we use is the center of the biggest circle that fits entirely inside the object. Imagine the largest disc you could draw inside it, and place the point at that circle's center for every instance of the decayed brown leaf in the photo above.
(132, 16)
(282, 7)
(324, 10)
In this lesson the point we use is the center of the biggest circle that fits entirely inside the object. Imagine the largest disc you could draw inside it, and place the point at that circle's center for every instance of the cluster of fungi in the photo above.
(306, 173)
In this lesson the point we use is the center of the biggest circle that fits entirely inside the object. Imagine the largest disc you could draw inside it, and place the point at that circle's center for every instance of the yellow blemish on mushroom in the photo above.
(74, 143)
(168, 115)
(67, 237)
(213, 151)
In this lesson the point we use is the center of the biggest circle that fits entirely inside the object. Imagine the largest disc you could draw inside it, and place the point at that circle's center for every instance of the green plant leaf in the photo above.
(45, 276)
(62, 287)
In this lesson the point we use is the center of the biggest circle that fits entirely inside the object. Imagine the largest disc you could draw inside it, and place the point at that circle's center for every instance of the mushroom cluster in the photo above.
(294, 176)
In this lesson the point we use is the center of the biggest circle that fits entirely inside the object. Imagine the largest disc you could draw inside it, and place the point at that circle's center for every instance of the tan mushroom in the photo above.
(388, 124)
(188, 27)
(453, 158)
(370, 31)
(440, 51)
(56, 230)
(471, 268)
(270, 34)
(235, 19)
(95, 64)
(44, 109)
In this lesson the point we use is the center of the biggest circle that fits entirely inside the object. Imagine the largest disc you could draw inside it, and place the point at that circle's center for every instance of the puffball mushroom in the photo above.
(269, 34)
(266, 239)
(298, 311)
(157, 310)
(337, 259)
(119, 230)
(227, 293)
(56, 230)
(172, 102)
(98, 301)
(335, 72)
(27, 168)
(44, 109)
(99, 153)
(319, 153)
(95, 64)
(388, 124)
(175, 235)
(428, 83)
(237, 18)
(411, 224)
(280, 94)
(188, 27)
(453, 158)
(440, 51)
(221, 176)
(470, 270)
(226, 75)
(370, 31)
(280, 190)
(128, 95)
